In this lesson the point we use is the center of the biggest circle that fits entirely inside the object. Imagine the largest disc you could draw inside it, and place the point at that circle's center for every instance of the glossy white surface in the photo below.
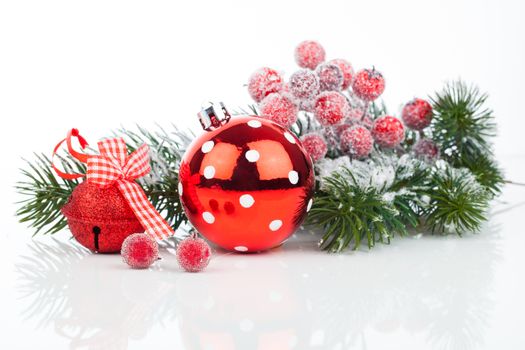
(101, 64)
(422, 292)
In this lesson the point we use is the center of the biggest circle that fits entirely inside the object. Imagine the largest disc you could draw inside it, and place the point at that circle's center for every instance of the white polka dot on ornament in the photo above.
(254, 124)
(289, 137)
(252, 156)
(208, 217)
(293, 176)
(209, 172)
(275, 225)
(309, 206)
(207, 146)
(246, 200)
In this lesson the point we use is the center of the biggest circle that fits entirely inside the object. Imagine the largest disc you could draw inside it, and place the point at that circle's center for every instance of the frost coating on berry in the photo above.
(315, 146)
(347, 69)
(309, 54)
(330, 108)
(263, 82)
(330, 77)
(357, 141)
(304, 84)
(139, 251)
(388, 131)
(426, 149)
(368, 84)
(193, 254)
(417, 114)
(279, 109)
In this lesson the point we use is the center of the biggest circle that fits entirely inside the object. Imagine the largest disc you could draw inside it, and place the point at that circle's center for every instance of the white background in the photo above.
(97, 65)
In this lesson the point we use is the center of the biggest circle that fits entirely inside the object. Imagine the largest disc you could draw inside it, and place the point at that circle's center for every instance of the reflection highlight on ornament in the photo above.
(292, 297)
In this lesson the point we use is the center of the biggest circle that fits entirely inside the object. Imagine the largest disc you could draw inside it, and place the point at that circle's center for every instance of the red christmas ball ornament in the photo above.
(315, 146)
(139, 251)
(357, 141)
(330, 77)
(193, 254)
(330, 108)
(100, 218)
(247, 183)
(388, 131)
(304, 84)
(368, 84)
(279, 109)
(347, 69)
(417, 114)
(309, 54)
(426, 149)
(263, 82)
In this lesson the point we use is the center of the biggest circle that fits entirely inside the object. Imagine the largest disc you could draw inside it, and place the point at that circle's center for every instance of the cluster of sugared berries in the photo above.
(319, 87)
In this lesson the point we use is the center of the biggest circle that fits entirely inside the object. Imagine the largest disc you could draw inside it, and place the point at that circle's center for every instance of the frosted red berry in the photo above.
(263, 82)
(357, 141)
(315, 146)
(417, 114)
(309, 54)
(388, 131)
(139, 251)
(193, 254)
(330, 108)
(426, 149)
(368, 84)
(347, 69)
(330, 77)
(279, 109)
(340, 128)
(304, 84)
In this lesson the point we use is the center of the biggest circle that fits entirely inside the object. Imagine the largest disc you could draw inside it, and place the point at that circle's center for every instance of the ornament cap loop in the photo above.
(212, 117)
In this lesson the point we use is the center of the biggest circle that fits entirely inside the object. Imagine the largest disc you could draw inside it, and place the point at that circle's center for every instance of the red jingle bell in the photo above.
(246, 184)
(100, 218)
(110, 205)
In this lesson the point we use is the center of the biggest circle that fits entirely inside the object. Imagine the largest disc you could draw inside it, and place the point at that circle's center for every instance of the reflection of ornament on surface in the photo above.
(246, 186)
(446, 300)
(94, 307)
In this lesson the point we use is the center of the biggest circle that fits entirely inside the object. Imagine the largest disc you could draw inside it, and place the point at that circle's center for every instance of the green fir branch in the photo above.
(457, 202)
(462, 125)
(45, 193)
(350, 214)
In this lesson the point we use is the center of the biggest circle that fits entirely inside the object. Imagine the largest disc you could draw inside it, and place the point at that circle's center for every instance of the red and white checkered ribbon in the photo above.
(114, 166)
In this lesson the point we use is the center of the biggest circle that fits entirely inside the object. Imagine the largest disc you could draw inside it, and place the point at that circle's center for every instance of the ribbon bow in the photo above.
(113, 166)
